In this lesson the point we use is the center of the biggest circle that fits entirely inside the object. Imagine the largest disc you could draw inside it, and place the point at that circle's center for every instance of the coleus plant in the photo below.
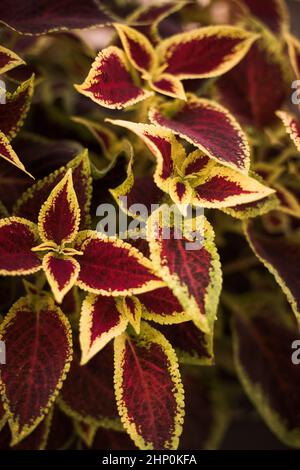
(114, 343)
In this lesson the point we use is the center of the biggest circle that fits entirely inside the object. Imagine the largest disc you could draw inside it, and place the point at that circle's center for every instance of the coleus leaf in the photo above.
(109, 82)
(31, 200)
(100, 321)
(196, 178)
(292, 126)
(208, 126)
(257, 87)
(161, 306)
(148, 388)
(61, 273)
(262, 352)
(131, 309)
(38, 336)
(273, 13)
(37, 439)
(147, 17)
(163, 144)
(168, 85)
(59, 217)
(40, 19)
(138, 48)
(253, 209)
(14, 111)
(87, 394)
(192, 346)
(218, 186)
(7, 152)
(280, 255)
(204, 52)
(193, 274)
(110, 266)
(8, 60)
(17, 238)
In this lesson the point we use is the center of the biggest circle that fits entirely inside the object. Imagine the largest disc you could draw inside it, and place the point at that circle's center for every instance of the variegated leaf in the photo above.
(204, 52)
(59, 217)
(61, 273)
(8, 60)
(14, 111)
(148, 389)
(7, 152)
(208, 126)
(109, 82)
(110, 266)
(292, 126)
(32, 199)
(38, 336)
(40, 19)
(188, 262)
(17, 238)
(138, 48)
(100, 321)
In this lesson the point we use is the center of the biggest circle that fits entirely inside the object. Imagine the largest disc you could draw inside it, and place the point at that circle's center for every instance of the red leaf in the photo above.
(209, 127)
(271, 12)
(148, 389)
(223, 187)
(17, 237)
(281, 256)
(139, 50)
(193, 273)
(32, 199)
(258, 86)
(8, 60)
(192, 346)
(38, 338)
(109, 82)
(59, 216)
(87, 393)
(149, 16)
(7, 152)
(204, 52)
(58, 16)
(162, 307)
(100, 321)
(163, 144)
(61, 273)
(112, 267)
(37, 439)
(14, 111)
(292, 126)
(169, 85)
(263, 358)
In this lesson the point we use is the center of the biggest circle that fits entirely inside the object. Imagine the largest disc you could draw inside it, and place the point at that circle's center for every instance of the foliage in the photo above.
(120, 343)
